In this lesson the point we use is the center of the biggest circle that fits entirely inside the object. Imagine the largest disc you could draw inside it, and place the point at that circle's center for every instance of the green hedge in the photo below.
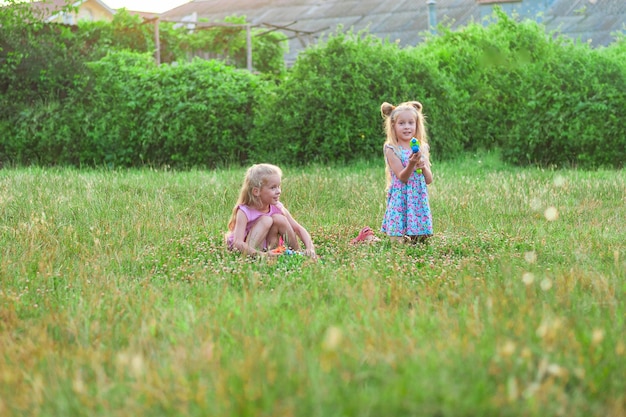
(133, 113)
(509, 85)
(328, 108)
(572, 112)
(538, 97)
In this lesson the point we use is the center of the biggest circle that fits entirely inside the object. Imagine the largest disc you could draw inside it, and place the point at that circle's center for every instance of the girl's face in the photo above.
(270, 191)
(405, 126)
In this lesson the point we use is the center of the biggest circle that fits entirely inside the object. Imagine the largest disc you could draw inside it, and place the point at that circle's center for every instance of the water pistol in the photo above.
(415, 147)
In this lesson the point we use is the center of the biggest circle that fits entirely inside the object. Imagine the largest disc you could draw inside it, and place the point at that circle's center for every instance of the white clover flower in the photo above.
(551, 214)
(546, 284)
(531, 257)
(528, 278)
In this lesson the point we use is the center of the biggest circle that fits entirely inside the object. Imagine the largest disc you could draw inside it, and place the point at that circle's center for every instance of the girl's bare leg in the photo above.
(259, 233)
(281, 227)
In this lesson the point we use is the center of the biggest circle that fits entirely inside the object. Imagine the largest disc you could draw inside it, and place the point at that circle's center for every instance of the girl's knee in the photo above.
(262, 225)
(265, 221)
(280, 223)
(277, 222)
(279, 219)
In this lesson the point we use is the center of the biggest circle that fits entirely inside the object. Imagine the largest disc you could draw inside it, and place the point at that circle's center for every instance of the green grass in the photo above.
(118, 298)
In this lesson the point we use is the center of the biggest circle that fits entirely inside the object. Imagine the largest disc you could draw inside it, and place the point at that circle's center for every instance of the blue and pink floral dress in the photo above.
(408, 210)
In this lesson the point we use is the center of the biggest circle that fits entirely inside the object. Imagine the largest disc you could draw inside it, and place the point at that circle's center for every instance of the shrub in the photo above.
(134, 113)
(226, 41)
(537, 96)
(484, 62)
(508, 85)
(572, 111)
(328, 107)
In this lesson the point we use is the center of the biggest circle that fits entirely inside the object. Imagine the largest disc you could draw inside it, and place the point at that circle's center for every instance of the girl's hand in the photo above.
(421, 164)
(415, 160)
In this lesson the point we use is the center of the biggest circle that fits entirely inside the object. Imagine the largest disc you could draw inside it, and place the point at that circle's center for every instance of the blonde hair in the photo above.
(256, 177)
(390, 114)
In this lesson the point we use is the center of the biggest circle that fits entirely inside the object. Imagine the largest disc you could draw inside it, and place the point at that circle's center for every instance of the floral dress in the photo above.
(408, 211)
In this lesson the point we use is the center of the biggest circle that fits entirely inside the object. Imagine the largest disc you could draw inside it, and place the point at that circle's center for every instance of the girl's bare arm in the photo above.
(239, 233)
(302, 233)
(403, 173)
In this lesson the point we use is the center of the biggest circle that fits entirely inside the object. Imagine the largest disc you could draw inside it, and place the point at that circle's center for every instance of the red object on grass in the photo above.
(365, 235)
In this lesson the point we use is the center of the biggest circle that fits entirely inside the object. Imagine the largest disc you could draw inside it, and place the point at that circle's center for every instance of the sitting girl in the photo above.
(259, 220)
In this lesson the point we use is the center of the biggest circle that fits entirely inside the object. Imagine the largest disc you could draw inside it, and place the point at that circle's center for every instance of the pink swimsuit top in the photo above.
(253, 215)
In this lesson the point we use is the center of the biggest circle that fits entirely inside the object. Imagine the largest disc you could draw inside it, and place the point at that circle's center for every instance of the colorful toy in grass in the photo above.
(282, 249)
(415, 147)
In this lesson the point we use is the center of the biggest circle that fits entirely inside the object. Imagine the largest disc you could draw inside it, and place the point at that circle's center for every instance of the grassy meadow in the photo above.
(117, 297)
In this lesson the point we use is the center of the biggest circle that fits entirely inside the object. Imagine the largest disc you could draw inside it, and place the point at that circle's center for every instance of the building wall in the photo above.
(90, 10)
(532, 9)
(405, 21)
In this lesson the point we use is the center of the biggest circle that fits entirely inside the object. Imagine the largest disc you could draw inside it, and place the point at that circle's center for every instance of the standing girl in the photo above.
(408, 216)
(259, 220)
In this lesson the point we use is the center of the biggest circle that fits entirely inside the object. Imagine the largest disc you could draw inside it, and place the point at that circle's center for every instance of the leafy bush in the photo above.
(226, 41)
(537, 96)
(124, 32)
(484, 62)
(134, 113)
(572, 111)
(39, 63)
(328, 107)
(43, 63)
(508, 85)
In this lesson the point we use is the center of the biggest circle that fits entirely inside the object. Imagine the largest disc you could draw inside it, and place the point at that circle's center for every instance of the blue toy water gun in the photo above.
(415, 147)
